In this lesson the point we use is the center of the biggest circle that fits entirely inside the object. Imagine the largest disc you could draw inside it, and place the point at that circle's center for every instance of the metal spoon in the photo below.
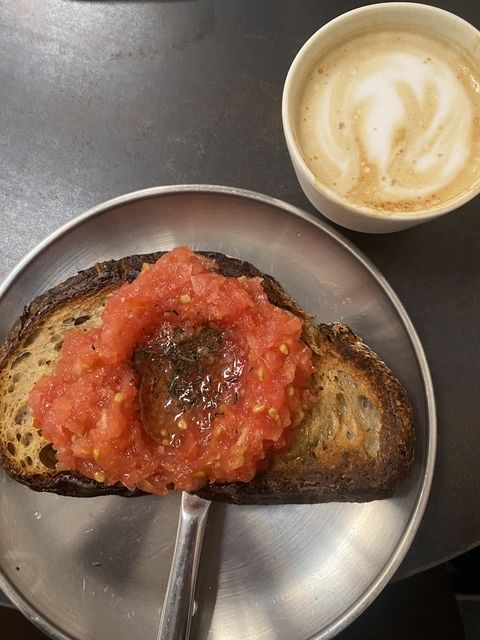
(178, 604)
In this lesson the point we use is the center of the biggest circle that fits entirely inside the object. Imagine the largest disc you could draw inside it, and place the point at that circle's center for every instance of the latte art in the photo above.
(390, 120)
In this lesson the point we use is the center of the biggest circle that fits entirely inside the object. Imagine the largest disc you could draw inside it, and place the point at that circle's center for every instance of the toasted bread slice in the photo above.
(356, 444)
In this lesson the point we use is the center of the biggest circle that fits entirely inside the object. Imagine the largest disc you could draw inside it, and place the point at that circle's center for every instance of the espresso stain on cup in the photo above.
(389, 119)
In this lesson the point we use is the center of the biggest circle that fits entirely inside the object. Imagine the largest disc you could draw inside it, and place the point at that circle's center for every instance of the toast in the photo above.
(355, 444)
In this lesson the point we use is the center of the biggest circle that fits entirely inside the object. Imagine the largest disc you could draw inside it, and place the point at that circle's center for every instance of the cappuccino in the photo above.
(389, 119)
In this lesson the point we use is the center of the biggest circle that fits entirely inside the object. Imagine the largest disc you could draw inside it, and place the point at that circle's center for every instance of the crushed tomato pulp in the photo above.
(191, 378)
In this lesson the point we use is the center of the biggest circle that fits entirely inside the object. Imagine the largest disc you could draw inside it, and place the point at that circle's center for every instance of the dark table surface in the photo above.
(102, 98)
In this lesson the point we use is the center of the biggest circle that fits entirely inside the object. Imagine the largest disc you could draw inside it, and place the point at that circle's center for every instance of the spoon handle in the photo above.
(177, 607)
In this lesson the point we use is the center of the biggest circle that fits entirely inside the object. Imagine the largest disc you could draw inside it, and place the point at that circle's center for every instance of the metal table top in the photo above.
(102, 98)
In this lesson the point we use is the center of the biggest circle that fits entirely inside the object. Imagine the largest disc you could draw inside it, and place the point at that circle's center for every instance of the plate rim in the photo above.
(392, 564)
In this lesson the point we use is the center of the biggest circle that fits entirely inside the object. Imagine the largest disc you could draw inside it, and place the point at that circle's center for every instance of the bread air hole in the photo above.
(23, 356)
(341, 405)
(27, 438)
(29, 340)
(47, 456)
(21, 415)
(57, 341)
(11, 448)
(29, 461)
(81, 320)
(364, 402)
(15, 378)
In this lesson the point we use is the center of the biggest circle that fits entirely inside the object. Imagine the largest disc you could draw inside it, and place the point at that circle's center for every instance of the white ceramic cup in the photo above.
(393, 14)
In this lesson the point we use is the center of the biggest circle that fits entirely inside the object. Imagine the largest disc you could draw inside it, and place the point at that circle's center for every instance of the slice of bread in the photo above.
(356, 444)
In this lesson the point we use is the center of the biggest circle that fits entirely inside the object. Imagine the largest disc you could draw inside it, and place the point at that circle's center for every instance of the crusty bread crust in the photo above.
(356, 444)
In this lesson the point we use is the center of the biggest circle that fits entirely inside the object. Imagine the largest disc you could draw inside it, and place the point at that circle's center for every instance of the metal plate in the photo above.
(97, 568)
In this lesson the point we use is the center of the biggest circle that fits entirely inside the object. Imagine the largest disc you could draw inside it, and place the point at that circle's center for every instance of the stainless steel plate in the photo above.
(97, 568)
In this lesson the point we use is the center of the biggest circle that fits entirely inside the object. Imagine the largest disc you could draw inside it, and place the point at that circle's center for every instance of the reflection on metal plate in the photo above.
(97, 568)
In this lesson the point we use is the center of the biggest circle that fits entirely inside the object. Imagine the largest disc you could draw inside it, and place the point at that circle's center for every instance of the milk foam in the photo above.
(390, 120)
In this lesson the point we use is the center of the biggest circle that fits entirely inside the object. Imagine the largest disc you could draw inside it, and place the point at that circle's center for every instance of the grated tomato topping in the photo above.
(191, 378)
